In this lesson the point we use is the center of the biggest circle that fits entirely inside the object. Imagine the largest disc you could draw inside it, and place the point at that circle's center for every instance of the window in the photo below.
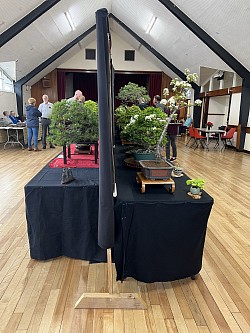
(129, 55)
(6, 84)
(90, 54)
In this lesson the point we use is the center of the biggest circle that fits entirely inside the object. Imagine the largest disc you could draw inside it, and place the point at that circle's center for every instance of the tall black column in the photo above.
(19, 98)
(244, 111)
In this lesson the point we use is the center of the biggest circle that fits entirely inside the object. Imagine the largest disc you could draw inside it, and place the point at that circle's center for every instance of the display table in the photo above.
(13, 134)
(62, 219)
(159, 235)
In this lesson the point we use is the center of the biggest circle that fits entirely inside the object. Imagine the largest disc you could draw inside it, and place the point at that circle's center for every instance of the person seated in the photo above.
(188, 122)
(13, 117)
(6, 118)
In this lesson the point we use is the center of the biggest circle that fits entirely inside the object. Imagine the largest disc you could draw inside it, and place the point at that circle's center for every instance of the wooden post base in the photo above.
(110, 301)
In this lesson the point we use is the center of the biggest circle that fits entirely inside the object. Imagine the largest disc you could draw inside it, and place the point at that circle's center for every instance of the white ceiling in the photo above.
(225, 21)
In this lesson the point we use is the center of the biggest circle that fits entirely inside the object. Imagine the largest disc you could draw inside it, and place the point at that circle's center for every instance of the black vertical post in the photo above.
(65, 154)
(244, 111)
(197, 109)
(106, 171)
(19, 98)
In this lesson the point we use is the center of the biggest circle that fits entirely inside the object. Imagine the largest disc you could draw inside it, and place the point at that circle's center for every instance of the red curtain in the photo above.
(61, 84)
(154, 85)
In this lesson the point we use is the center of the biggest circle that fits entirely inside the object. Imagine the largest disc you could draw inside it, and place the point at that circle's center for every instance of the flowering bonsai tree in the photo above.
(124, 113)
(177, 101)
(145, 128)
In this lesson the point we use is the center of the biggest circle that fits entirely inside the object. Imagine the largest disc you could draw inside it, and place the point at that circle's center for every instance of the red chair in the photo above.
(227, 138)
(199, 139)
(191, 135)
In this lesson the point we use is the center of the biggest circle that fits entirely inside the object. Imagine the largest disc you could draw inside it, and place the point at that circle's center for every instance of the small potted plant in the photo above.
(197, 184)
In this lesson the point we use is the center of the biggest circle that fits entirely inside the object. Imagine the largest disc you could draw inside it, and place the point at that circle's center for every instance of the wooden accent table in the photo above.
(140, 178)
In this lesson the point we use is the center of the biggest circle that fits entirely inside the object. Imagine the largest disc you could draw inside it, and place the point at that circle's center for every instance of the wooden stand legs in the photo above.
(110, 300)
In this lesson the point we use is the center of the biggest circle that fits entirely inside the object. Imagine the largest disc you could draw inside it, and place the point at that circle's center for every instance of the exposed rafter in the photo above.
(153, 51)
(55, 56)
(209, 41)
(26, 21)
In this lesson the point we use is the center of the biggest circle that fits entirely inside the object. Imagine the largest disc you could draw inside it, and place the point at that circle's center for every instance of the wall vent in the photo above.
(90, 54)
(129, 55)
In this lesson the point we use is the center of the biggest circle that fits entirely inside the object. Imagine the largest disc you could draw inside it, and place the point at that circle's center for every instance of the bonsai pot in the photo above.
(156, 169)
(195, 190)
(138, 156)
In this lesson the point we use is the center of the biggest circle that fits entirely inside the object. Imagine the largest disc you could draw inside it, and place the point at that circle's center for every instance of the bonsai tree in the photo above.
(73, 122)
(145, 128)
(177, 101)
(124, 113)
(196, 182)
(133, 93)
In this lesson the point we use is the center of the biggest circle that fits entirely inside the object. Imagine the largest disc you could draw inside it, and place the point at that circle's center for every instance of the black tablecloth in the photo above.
(159, 236)
(62, 219)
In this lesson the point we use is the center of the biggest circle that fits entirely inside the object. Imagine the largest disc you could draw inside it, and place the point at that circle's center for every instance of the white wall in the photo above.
(247, 142)
(7, 102)
(235, 109)
(118, 46)
(218, 110)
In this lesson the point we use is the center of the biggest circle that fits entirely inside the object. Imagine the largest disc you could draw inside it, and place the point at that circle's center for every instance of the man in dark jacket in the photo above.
(32, 123)
(172, 132)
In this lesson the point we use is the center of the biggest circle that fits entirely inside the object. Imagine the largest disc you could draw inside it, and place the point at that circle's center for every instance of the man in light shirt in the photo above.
(46, 109)
(78, 95)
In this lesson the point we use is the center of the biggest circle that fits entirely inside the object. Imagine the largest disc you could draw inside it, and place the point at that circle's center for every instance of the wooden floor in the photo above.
(39, 297)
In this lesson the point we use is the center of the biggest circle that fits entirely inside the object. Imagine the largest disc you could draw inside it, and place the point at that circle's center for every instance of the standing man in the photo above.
(78, 96)
(46, 109)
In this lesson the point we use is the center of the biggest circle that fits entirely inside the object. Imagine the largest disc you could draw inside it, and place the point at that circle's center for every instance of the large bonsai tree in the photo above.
(133, 93)
(74, 122)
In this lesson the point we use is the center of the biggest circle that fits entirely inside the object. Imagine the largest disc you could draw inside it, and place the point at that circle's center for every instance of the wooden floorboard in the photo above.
(39, 296)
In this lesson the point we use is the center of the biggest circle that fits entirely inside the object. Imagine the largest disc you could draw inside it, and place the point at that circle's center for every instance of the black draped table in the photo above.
(159, 236)
(62, 219)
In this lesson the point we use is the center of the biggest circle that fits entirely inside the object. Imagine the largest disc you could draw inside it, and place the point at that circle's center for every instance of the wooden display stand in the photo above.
(140, 178)
(110, 300)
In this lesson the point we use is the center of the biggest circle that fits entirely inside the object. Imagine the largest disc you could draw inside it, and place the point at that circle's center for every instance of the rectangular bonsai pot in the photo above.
(156, 169)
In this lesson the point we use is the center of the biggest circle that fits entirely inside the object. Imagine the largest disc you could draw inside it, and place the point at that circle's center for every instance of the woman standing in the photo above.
(32, 123)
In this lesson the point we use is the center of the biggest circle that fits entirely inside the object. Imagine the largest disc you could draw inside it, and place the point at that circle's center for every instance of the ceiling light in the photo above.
(69, 19)
(151, 24)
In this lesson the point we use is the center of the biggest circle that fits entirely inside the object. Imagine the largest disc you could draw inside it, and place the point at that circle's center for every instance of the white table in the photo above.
(13, 138)
(213, 131)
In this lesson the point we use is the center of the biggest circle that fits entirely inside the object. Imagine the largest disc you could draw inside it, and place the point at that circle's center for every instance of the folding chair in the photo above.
(191, 135)
(199, 139)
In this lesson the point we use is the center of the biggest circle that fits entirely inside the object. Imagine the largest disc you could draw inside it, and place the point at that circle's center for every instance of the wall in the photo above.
(7, 102)
(37, 90)
(118, 46)
(218, 110)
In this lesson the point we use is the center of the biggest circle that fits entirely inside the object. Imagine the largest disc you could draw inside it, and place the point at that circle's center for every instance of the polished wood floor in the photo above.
(39, 296)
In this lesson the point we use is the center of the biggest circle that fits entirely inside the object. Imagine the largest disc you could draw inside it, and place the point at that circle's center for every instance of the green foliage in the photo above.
(73, 122)
(146, 127)
(124, 113)
(133, 93)
(196, 182)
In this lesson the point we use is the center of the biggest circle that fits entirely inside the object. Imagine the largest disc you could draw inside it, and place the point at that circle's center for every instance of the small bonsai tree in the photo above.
(196, 182)
(133, 93)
